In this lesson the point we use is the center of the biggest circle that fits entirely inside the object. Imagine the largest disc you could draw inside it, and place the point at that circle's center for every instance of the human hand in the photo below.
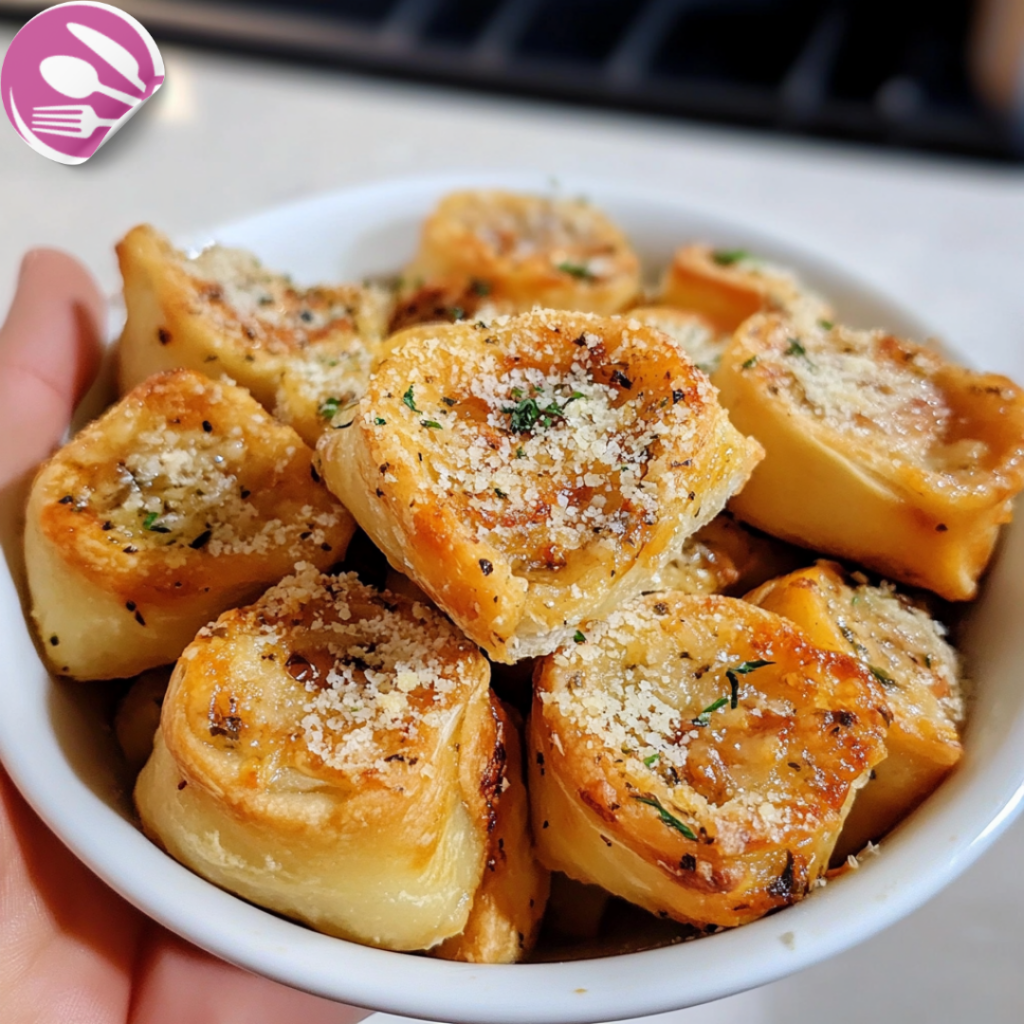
(70, 948)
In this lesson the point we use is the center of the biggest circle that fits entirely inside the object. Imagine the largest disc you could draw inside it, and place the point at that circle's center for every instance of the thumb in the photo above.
(49, 352)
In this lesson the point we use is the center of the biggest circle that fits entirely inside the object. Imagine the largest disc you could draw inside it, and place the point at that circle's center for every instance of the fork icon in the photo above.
(75, 122)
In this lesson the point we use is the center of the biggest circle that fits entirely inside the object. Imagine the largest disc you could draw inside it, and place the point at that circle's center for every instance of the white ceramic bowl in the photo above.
(55, 743)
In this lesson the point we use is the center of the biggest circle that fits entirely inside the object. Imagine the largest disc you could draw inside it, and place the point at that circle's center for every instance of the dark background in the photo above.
(891, 73)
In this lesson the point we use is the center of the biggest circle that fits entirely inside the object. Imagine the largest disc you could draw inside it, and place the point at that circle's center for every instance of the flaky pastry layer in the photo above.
(182, 500)
(697, 756)
(878, 450)
(332, 753)
(535, 472)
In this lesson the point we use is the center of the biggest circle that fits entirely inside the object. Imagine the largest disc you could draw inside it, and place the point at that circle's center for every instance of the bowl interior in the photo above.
(56, 742)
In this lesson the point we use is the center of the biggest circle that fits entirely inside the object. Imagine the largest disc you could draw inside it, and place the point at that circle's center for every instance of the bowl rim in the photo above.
(940, 841)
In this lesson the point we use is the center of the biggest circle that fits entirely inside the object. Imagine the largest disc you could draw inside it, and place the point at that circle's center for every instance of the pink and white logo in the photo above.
(74, 75)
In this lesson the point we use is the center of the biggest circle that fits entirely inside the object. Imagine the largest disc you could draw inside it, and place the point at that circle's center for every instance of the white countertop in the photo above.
(228, 136)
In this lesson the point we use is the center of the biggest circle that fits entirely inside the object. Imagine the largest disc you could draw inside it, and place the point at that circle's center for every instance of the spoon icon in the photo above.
(78, 79)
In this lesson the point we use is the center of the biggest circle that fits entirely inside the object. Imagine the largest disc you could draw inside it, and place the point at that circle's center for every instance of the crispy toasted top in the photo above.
(187, 472)
(549, 432)
(331, 678)
(886, 395)
(718, 712)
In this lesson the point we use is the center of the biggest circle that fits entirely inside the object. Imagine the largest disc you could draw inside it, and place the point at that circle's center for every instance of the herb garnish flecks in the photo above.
(666, 816)
(733, 675)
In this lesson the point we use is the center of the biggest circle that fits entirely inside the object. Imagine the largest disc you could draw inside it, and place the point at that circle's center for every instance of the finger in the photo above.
(49, 353)
(176, 982)
(67, 943)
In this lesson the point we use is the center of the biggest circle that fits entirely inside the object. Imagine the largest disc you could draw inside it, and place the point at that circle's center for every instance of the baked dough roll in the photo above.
(446, 301)
(728, 286)
(697, 756)
(509, 903)
(224, 314)
(331, 753)
(537, 472)
(878, 450)
(182, 500)
(694, 335)
(521, 251)
(906, 651)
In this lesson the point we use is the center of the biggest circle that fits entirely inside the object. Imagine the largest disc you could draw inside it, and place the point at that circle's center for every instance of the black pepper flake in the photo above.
(677, 397)
(182, 784)
(108, 525)
(486, 567)
(941, 528)
(688, 862)
(846, 718)
(581, 341)
(618, 377)
(661, 608)
(139, 619)
(54, 640)
(314, 474)
(163, 335)
(545, 825)
(130, 550)
(306, 316)
(782, 887)
(130, 605)
(244, 493)
(202, 540)
(208, 426)
(66, 500)
(325, 546)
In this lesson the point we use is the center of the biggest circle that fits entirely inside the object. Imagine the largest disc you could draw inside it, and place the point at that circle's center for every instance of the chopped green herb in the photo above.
(668, 818)
(733, 675)
(826, 325)
(727, 257)
(704, 718)
(526, 413)
(579, 637)
(379, 421)
(750, 363)
(480, 288)
(150, 523)
(433, 424)
(579, 270)
(928, 661)
(650, 760)
(520, 454)
(882, 676)
(329, 408)
(795, 348)
(457, 313)
(409, 400)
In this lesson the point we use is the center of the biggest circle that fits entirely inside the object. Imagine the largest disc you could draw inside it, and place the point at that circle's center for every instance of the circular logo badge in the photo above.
(74, 75)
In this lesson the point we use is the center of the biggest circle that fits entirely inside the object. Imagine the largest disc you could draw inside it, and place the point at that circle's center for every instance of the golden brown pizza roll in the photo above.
(332, 753)
(520, 251)
(905, 650)
(510, 900)
(537, 472)
(697, 756)
(225, 315)
(695, 336)
(184, 499)
(878, 450)
(726, 286)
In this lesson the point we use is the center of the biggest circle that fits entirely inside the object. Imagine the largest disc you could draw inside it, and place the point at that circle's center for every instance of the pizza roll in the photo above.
(537, 472)
(726, 287)
(182, 500)
(878, 450)
(906, 651)
(222, 313)
(695, 336)
(725, 557)
(332, 753)
(521, 251)
(697, 756)
(510, 900)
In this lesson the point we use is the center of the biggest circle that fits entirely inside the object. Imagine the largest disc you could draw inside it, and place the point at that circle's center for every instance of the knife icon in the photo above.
(110, 51)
